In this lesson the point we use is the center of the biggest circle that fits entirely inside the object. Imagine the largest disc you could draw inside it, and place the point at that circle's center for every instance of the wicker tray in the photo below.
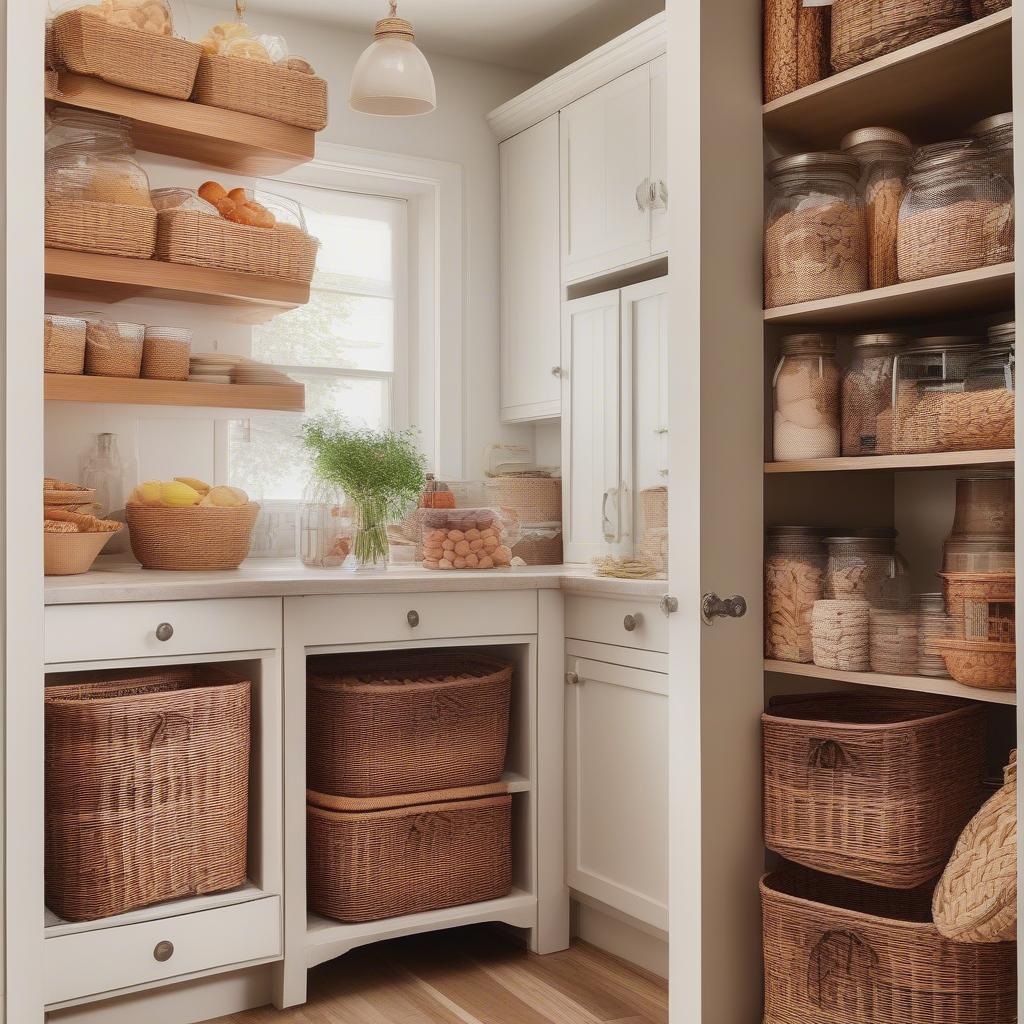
(90, 45)
(107, 228)
(266, 90)
(69, 554)
(203, 240)
(190, 539)
(389, 856)
(146, 788)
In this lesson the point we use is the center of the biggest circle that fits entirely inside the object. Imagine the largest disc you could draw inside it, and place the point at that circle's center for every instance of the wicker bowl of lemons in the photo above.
(188, 525)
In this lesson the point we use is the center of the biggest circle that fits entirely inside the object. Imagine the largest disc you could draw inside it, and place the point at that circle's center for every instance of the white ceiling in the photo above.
(534, 35)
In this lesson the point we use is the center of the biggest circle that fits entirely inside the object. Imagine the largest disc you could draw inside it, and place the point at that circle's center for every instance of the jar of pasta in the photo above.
(866, 567)
(867, 395)
(806, 399)
(794, 569)
(996, 135)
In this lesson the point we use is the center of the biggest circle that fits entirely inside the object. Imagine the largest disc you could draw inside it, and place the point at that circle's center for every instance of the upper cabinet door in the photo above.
(530, 290)
(606, 173)
(659, 156)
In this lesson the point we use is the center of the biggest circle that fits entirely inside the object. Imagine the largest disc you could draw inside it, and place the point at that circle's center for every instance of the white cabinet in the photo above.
(659, 156)
(530, 274)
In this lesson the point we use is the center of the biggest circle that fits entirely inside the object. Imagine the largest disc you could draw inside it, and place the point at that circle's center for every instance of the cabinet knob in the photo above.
(630, 622)
(714, 607)
(413, 618)
(163, 951)
(572, 678)
(556, 371)
(164, 631)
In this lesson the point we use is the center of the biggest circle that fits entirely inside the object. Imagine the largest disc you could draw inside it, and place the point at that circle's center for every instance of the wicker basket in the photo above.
(380, 724)
(876, 788)
(63, 344)
(840, 952)
(533, 499)
(985, 601)
(147, 777)
(166, 353)
(70, 554)
(540, 545)
(203, 240)
(160, 64)
(113, 349)
(194, 539)
(390, 856)
(983, 8)
(266, 90)
(109, 229)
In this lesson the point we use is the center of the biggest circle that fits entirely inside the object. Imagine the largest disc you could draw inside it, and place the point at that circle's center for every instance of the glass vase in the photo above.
(370, 545)
(325, 528)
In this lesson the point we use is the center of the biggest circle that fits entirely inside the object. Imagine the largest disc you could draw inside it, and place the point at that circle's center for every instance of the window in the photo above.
(348, 346)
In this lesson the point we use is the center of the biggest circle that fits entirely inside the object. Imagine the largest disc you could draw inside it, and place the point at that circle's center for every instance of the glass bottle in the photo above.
(104, 470)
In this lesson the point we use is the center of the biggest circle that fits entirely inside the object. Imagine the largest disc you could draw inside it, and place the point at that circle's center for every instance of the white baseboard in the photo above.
(621, 936)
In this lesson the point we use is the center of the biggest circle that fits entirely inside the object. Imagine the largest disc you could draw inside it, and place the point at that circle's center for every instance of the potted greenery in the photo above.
(380, 471)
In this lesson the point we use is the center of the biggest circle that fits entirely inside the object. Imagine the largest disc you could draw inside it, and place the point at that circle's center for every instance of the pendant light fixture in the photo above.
(392, 77)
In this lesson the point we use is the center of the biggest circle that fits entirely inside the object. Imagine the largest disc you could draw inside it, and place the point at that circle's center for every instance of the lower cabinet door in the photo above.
(617, 779)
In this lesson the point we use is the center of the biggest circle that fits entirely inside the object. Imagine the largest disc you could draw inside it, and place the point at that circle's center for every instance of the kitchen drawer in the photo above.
(603, 620)
(104, 960)
(388, 618)
(103, 632)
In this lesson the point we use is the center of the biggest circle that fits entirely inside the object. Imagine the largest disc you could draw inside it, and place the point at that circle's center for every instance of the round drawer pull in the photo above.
(164, 631)
(413, 618)
(630, 622)
(163, 951)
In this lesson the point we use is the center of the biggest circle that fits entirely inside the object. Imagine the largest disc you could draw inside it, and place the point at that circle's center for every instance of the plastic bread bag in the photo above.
(468, 538)
(142, 15)
(236, 39)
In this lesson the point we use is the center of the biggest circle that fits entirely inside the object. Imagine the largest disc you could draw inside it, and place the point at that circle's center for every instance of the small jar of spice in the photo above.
(867, 395)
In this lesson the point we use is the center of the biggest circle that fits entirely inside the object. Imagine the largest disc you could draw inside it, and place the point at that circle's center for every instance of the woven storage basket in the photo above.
(166, 354)
(113, 350)
(876, 788)
(533, 499)
(69, 554)
(840, 952)
(266, 90)
(976, 898)
(390, 856)
(982, 8)
(90, 45)
(537, 549)
(405, 722)
(194, 538)
(202, 240)
(110, 229)
(63, 344)
(147, 788)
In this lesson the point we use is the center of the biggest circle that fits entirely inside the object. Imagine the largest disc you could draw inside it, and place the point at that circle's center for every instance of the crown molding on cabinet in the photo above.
(638, 46)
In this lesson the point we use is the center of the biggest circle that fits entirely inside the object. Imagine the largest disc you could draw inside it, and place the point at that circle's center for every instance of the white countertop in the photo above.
(113, 579)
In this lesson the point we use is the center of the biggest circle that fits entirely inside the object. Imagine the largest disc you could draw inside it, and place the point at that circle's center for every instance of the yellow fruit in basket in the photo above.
(225, 497)
(147, 493)
(196, 485)
(178, 495)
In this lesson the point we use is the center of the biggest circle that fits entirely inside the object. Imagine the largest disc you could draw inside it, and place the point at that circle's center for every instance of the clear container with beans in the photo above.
(63, 344)
(928, 393)
(933, 626)
(805, 386)
(867, 394)
(815, 243)
(956, 215)
(867, 567)
(986, 414)
(467, 538)
(166, 352)
(884, 156)
(794, 570)
(112, 349)
(996, 135)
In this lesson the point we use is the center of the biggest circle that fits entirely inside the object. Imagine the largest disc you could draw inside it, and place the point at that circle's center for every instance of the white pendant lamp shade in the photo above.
(392, 77)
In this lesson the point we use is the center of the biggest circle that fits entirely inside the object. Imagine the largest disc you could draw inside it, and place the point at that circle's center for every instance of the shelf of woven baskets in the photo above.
(927, 460)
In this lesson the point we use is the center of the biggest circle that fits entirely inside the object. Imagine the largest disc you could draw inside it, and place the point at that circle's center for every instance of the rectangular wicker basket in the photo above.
(266, 90)
(111, 229)
(147, 787)
(203, 240)
(876, 788)
(841, 952)
(405, 722)
(389, 856)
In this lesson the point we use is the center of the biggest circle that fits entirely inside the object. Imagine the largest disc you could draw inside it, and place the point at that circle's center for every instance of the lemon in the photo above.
(196, 485)
(225, 497)
(178, 495)
(147, 493)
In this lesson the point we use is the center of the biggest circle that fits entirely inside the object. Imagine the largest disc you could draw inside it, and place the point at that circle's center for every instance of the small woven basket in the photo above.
(113, 350)
(389, 856)
(875, 788)
(166, 354)
(196, 538)
(110, 229)
(537, 547)
(266, 90)
(147, 787)
(63, 344)
(840, 952)
(380, 724)
(533, 499)
(69, 554)
(203, 240)
(90, 45)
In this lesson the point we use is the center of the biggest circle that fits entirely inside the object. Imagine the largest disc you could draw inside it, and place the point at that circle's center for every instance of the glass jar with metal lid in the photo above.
(814, 240)
(928, 387)
(794, 570)
(866, 566)
(867, 394)
(956, 215)
(987, 417)
(806, 399)
(884, 156)
(996, 135)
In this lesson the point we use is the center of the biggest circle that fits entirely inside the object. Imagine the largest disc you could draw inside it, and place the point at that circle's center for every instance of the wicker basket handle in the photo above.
(827, 754)
(425, 829)
(169, 727)
(837, 952)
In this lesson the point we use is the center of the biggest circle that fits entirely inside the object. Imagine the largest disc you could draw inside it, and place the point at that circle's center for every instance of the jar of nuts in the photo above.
(466, 538)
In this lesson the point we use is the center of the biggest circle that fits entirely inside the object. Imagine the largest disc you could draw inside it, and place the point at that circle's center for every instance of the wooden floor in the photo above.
(472, 976)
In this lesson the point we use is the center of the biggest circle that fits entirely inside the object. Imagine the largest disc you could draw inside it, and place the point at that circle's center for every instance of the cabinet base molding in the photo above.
(622, 936)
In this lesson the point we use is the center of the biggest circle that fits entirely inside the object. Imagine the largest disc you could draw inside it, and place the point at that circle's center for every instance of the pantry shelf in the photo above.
(987, 290)
(931, 90)
(864, 463)
(193, 131)
(916, 684)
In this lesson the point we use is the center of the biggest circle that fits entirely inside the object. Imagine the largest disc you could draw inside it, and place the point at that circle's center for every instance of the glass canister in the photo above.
(794, 569)
(70, 124)
(867, 395)
(986, 417)
(867, 567)
(325, 528)
(98, 169)
(996, 135)
(933, 626)
(957, 215)
(928, 385)
(806, 399)
(814, 241)
(884, 156)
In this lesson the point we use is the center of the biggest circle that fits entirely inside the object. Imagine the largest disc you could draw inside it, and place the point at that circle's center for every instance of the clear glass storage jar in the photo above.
(867, 567)
(112, 349)
(884, 157)
(867, 395)
(957, 215)
(467, 538)
(933, 626)
(986, 418)
(814, 240)
(98, 169)
(325, 527)
(794, 570)
(70, 124)
(996, 135)
(805, 386)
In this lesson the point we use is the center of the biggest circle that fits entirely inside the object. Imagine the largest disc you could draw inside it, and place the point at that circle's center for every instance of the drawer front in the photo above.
(389, 618)
(604, 620)
(98, 632)
(108, 959)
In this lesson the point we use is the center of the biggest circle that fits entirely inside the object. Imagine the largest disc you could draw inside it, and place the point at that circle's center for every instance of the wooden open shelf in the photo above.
(128, 391)
(917, 684)
(987, 290)
(114, 278)
(193, 131)
(931, 90)
(936, 460)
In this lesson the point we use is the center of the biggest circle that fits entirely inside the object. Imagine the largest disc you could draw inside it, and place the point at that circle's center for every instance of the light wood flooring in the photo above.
(472, 976)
